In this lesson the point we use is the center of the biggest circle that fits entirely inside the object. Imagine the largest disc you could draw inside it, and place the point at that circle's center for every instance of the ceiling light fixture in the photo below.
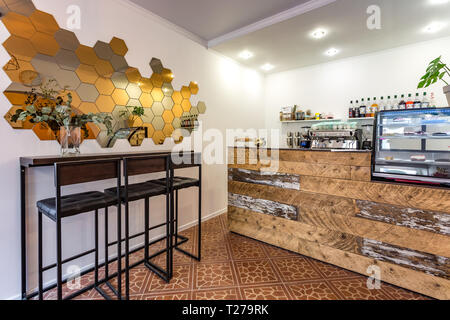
(434, 27)
(318, 34)
(332, 52)
(246, 55)
(267, 67)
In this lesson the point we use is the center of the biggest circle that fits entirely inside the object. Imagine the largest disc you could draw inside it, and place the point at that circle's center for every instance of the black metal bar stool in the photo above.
(135, 166)
(60, 207)
(180, 183)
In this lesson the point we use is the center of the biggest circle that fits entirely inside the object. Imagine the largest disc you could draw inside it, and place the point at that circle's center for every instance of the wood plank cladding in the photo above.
(344, 218)
(412, 218)
(272, 208)
(281, 180)
(271, 230)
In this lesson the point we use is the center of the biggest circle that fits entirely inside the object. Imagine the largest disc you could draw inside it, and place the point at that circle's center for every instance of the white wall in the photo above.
(329, 88)
(234, 98)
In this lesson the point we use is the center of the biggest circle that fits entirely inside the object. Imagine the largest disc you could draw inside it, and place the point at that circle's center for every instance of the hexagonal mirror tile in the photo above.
(67, 60)
(120, 80)
(168, 103)
(87, 92)
(119, 63)
(86, 55)
(19, 25)
(21, 48)
(44, 22)
(118, 46)
(146, 100)
(67, 40)
(156, 65)
(103, 50)
(159, 137)
(134, 91)
(45, 43)
(201, 106)
(167, 89)
(24, 7)
(87, 74)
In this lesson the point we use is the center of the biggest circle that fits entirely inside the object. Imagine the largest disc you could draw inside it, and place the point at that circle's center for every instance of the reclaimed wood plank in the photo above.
(426, 198)
(268, 207)
(437, 222)
(361, 173)
(280, 180)
(410, 279)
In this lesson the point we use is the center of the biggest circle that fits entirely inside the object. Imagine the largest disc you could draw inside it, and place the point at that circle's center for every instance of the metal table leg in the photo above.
(23, 232)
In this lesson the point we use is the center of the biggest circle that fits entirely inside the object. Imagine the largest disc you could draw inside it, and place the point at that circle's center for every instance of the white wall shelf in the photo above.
(309, 121)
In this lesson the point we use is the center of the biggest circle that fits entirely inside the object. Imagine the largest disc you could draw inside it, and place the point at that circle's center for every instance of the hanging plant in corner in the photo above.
(52, 108)
(437, 70)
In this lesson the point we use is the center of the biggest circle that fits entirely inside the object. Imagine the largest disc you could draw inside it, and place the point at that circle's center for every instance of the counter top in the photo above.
(302, 149)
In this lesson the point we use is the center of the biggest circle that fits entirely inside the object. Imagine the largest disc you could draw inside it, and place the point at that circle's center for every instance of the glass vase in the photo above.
(70, 140)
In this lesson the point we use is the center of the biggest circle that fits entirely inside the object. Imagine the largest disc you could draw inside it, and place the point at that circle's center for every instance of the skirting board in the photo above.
(87, 267)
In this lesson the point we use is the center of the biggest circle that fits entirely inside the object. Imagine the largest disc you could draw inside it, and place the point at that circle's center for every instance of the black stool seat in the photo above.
(77, 203)
(179, 182)
(139, 191)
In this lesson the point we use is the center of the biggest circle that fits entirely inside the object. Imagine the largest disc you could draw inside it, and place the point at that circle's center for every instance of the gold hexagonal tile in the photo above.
(168, 116)
(177, 97)
(146, 100)
(177, 111)
(186, 92)
(186, 105)
(168, 130)
(76, 101)
(157, 94)
(19, 25)
(134, 103)
(45, 44)
(23, 7)
(118, 46)
(93, 131)
(167, 89)
(87, 92)
(104, 68)
(103, 50)
(105, 104)
(158, 123)
(193, 86)
(168, 103)
(21, 48)
(136, 122)
(176, 123)
(67, 40)
(44, 22)
(157, 108)
(159, 137)
(104, 86)
(148, 115)
(133, 75)
(120, 97)
(43, 132)
(86, 55)
(156, 65)
(120, 80)
(17, 75)
(201, 106)
(68, 78)
(150, 130)
(146, 85)
(87, 74)
(167, 75)
(16, 98)
(157, 80)
(88, 107)
(26, 125)
(134, 91)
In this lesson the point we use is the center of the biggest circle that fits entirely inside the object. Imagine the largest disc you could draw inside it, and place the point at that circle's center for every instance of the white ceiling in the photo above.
(284, 40)
(210, 19)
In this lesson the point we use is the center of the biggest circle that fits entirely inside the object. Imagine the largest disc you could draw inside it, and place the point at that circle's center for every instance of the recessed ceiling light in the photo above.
(434, 27)
(246, 55)
(318, 34)
(332, 52)
(267, 67)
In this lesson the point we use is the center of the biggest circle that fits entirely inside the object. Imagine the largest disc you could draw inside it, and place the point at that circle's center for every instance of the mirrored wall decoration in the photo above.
(98, 79)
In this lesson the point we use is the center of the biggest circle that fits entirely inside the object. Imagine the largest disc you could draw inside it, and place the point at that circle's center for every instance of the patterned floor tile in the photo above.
(312, 291)
(256, 272)
(295, 269)
(181, 280)
(275, 252)
(272, 292)
(225, 294)
(169, 296)
(330, 271)
(243, 248)
(356, 289)
(213, 275)
(396, 293)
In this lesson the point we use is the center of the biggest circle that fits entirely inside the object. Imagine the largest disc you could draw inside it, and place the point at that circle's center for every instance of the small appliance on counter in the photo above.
(290, 140)
(350, 139)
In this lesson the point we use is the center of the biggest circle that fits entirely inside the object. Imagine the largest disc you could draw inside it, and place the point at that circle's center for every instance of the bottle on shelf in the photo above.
(362, 109)
(432, 101)
(368, 108)
(402, 103)
(374, 107)
(425, 102)
(382, 106)
(395, 103)
(351, 110)
(417, 102)
(357, 115)
(389, 103)
(409, 102)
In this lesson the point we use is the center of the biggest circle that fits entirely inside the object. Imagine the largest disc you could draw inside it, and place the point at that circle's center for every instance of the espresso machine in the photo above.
(350, 139)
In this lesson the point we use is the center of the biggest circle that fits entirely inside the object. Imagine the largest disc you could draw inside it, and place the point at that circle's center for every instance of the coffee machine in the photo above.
(350, 139)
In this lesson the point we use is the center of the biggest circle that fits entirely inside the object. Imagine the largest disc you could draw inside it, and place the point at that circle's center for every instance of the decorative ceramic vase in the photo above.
(70, 140)
(447, 94)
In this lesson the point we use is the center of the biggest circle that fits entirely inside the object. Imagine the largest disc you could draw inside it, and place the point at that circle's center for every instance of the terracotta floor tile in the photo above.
(312, 291)
(256, 272)
(181, 280)
(396, 293)
(295, 269)
(356, 289)
(169, 296)
(211, 275)
(272, 292)
(330, 271)
(215, 252)
(225, 294)
(243, 248)
(275, 252)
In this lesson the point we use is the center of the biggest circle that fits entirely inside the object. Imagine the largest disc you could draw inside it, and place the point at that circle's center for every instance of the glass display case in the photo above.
(413, 146)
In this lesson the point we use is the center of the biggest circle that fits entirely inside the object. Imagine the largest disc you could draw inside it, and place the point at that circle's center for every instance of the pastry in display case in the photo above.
(413, 146)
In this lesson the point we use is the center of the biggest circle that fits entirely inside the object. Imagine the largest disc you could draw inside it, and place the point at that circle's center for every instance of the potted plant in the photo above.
(133, 115)
(436, 70)
(53, 109)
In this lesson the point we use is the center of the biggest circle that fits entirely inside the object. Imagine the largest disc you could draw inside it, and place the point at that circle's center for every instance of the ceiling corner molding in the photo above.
(165, 22)
(277, 18)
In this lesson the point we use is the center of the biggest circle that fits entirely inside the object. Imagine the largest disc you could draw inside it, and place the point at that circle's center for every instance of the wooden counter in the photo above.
(324, 205)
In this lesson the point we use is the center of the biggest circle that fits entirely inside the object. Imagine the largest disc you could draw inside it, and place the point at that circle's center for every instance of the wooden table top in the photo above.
(45, 161)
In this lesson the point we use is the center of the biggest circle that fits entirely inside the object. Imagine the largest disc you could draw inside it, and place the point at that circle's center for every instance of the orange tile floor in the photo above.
(238, 268)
